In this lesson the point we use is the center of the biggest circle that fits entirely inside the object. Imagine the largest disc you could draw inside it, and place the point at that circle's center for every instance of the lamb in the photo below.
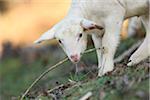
(103, 20)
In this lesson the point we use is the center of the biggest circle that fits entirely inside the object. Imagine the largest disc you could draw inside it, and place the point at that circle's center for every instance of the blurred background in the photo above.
(21, 23)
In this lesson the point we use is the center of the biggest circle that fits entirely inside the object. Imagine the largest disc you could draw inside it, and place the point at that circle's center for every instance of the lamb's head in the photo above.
(72, 37)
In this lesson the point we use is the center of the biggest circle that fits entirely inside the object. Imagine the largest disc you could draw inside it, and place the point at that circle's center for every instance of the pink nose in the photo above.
(75, 58)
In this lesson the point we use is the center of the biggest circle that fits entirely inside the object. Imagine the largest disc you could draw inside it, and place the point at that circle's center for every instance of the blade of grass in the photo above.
(42, 75)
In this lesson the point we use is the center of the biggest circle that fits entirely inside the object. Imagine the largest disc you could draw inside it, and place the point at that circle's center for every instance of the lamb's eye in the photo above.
(59, 41)
(80, 35)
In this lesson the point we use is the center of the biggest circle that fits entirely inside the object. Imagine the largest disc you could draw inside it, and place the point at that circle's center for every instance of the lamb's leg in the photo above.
(97, 43)
(144, 50)
(110, 42)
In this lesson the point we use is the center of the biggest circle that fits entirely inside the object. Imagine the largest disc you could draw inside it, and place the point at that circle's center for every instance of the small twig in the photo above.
(62, 85)
(50, 69)
(128, 52)
(91, 50)
(86, 96)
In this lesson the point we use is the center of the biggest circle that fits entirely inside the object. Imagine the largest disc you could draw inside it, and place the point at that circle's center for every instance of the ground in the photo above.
(123, 83)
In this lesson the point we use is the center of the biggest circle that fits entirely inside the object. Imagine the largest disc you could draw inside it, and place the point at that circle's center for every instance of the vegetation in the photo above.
(123, 83)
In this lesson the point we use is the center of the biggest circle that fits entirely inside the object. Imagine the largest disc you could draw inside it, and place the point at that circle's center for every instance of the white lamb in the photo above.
(103, 20)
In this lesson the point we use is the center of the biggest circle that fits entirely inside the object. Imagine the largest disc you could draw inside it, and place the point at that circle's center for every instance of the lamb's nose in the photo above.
(75, 58)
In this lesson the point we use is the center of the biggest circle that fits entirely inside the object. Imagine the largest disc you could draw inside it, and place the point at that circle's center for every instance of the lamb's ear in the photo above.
(89, 25)
(46, 36)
